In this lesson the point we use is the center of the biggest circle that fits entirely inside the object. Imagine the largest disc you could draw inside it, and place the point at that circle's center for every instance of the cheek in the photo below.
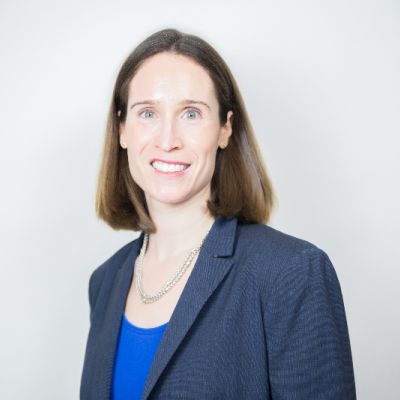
(204, 141)
(207, 149)
(136, 147)
(206, 157)
(138, 139)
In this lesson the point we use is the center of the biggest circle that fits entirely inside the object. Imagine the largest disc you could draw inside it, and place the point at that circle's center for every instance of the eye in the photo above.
(193, 113)
(147, 114)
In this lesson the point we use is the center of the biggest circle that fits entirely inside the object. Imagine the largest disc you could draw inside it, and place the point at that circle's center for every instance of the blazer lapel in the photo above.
(209, 270)
(110, 328)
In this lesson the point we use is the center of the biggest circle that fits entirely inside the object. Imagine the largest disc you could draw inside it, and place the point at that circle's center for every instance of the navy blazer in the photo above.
(260, 317)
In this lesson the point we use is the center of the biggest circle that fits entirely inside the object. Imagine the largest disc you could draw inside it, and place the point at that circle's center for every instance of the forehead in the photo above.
(171, 77)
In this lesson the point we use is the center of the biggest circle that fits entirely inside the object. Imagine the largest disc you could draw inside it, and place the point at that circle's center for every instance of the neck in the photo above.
(179, 229)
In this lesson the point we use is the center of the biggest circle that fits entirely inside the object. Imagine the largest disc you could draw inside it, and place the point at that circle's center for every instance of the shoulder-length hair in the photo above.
(240, 185)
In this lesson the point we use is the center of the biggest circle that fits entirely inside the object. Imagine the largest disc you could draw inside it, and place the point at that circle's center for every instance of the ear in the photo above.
(122, 135)
(226, 130)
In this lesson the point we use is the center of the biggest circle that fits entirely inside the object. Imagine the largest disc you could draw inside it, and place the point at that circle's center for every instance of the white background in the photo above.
(321, 83)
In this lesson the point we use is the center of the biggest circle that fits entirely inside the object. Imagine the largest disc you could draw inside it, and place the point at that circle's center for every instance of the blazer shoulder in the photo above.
(108, 267)
(271, 241)
(273, 252)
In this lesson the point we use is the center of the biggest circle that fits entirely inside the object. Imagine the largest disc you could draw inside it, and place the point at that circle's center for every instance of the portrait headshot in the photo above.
(191, 200)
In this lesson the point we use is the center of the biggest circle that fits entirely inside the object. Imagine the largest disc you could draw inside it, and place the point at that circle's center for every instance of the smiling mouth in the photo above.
(169, 168)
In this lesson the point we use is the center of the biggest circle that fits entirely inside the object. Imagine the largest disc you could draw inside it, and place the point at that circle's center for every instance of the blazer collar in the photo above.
(212, 265)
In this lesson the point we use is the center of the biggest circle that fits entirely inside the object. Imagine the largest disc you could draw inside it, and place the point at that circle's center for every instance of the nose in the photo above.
(168, 137)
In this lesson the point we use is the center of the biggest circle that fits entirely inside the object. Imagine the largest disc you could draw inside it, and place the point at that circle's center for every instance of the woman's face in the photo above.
(172, 130)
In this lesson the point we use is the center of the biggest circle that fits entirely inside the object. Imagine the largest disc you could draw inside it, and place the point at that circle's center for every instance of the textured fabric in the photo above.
(135, 352)
(261, 317)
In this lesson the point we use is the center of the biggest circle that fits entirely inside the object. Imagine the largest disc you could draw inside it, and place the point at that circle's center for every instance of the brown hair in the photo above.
(240, 185)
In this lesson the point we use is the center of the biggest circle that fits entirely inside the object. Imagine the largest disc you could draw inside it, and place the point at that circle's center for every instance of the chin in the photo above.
(171, 198)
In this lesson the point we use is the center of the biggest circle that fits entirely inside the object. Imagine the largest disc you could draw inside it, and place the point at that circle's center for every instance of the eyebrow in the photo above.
(186, 101)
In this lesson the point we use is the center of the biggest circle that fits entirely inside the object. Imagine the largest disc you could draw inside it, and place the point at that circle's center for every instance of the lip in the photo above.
(168, 161)
(171, 174)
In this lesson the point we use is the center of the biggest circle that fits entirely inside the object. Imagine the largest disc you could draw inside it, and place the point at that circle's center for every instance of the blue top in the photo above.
(136, 349)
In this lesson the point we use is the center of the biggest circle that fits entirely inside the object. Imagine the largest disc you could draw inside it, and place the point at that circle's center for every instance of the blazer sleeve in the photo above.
(309, 355)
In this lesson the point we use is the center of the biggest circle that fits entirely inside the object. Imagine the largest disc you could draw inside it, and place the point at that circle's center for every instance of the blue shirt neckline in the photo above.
(138, 329)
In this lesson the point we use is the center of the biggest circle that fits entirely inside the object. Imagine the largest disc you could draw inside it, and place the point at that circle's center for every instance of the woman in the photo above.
(209, 302)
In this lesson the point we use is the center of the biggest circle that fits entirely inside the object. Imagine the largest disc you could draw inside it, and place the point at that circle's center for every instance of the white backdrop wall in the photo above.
(321, 83)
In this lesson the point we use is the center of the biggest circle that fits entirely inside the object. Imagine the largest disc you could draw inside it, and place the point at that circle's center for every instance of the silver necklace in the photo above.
(171, 282)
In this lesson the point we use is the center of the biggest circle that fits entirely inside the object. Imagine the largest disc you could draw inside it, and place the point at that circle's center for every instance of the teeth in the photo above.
(168, 167)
